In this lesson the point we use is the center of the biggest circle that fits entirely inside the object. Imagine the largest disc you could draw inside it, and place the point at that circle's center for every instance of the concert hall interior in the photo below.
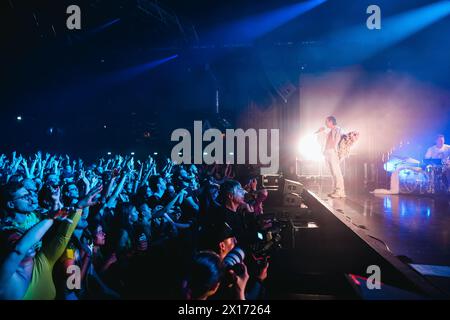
(225, 150)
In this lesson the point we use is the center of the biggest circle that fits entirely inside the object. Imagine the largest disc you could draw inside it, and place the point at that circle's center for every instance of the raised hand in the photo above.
(56, 165)
(85, 180)
(29, 172)
(82, 174)
(56, 198)
(130, 164)
(20, 158)
(94, 181)
(56, 194)
(183, 192)
(240, 281)
(62, 215)
(88, 200)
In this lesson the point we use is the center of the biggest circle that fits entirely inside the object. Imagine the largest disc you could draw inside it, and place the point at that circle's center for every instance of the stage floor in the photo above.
(416, 227)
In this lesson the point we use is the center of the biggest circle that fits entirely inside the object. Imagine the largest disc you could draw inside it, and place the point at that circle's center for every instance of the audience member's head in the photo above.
(15, 198)
(70, 194)
(221, 239)
(205, 275)
(157, 184)
(231, 194)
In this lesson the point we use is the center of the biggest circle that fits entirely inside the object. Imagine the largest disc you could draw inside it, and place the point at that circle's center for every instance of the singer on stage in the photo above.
(331, 156)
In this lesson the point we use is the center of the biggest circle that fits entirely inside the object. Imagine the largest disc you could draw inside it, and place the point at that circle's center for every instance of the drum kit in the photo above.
(427, 177)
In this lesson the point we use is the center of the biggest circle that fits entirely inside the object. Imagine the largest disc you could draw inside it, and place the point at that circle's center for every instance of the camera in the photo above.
(234, 259)
(267, 237)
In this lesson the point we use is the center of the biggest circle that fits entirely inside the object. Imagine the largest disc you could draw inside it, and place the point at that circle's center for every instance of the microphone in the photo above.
(320, 130)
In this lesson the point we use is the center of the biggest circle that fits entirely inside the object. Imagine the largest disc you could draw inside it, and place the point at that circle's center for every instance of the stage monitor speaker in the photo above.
(291, 186)
(271, 182)
(292, 200)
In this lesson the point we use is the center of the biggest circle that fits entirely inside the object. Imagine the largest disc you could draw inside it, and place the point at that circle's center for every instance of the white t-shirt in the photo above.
(438, 153)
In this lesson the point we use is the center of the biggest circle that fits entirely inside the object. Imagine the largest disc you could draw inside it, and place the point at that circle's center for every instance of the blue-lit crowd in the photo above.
(123, 228)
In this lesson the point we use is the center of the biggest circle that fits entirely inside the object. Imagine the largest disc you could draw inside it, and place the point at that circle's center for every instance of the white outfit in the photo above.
(438, 153)
(332, 160)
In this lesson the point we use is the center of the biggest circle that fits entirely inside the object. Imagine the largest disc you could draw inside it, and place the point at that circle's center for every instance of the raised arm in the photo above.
(179, 197)
(12, 261)
(137, 181)
(117, 191)
(55, 247)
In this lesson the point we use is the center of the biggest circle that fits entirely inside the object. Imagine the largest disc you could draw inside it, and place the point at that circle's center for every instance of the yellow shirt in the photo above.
(41, 286)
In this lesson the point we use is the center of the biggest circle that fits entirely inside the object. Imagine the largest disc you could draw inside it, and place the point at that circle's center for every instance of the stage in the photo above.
(414, 228)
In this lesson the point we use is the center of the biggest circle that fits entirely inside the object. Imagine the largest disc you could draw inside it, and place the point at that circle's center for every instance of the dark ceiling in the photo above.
(56, 76)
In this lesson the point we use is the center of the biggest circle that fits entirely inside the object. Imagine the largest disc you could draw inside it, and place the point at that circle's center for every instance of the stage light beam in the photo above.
(135, 71)
(105, 26)
(251, 28)
(364, 43)
(310, 149)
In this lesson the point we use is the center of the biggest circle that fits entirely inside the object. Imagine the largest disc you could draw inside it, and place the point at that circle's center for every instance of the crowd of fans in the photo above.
(125, 229)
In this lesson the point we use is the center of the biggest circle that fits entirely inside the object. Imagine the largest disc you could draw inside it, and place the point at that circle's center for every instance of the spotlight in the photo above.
(19, 118)
(310, 149)
(109, 153)
(155, 153)
(132, 153)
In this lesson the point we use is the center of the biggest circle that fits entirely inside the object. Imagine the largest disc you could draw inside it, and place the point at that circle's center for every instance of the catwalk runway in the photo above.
(415, 228)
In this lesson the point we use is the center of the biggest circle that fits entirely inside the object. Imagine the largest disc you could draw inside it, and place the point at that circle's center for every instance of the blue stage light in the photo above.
(132, 72)
(105, 26)
(251, 28)
(357, 43)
